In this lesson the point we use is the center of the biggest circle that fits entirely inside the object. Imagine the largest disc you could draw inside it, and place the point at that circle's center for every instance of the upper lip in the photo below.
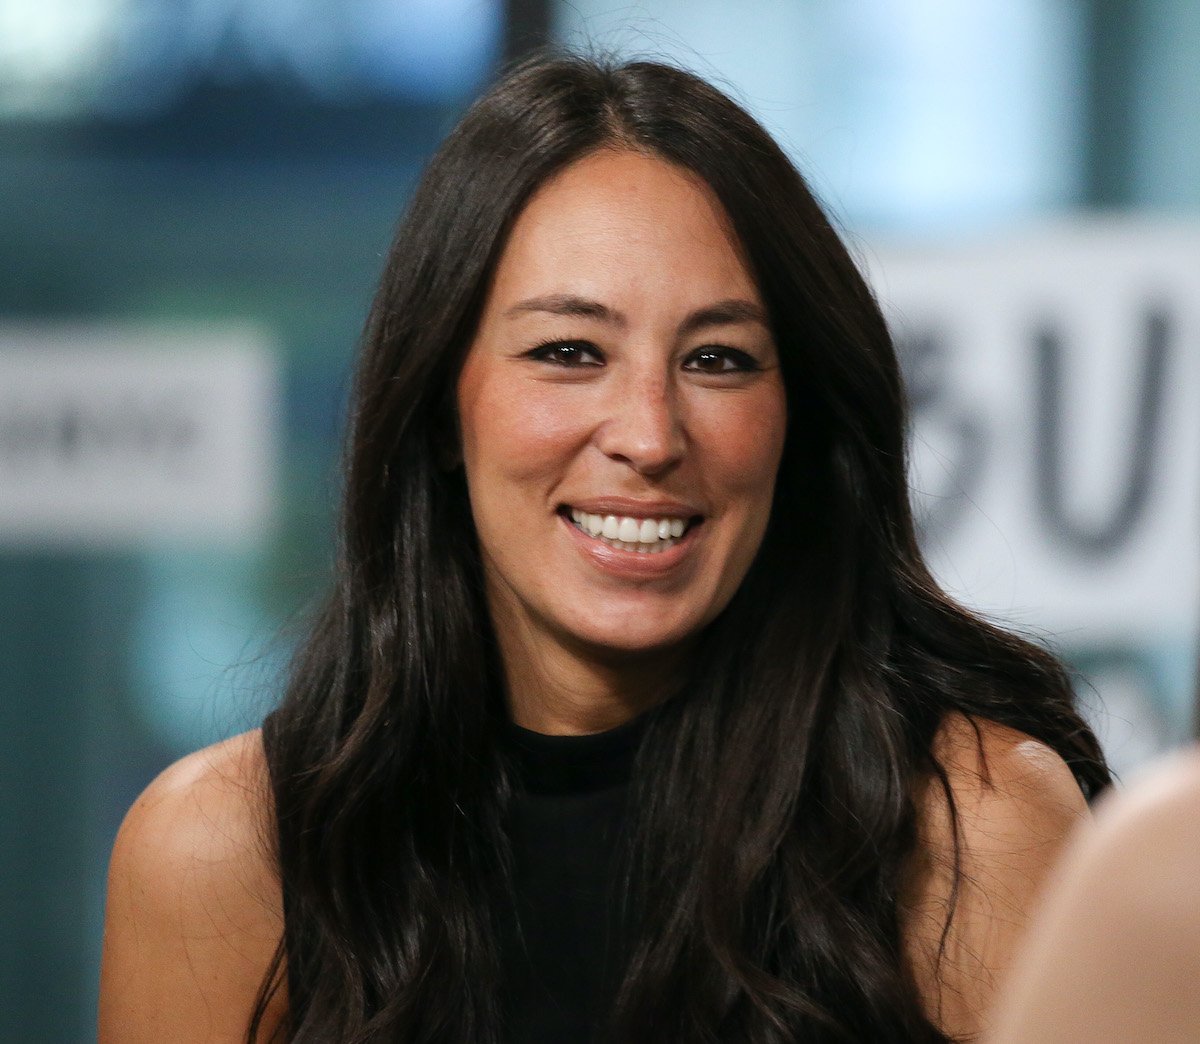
(630, 507)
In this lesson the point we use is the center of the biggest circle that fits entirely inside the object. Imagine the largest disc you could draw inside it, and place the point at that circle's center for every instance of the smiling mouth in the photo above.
(630, 533)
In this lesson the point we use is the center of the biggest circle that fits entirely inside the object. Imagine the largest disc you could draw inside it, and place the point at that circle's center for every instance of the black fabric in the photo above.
(561, 944)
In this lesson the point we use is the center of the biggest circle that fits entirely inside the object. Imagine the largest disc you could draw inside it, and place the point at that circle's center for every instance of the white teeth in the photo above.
(649, 535)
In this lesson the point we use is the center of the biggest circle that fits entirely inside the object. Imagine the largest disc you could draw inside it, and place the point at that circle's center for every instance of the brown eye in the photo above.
(567, 353)
(719, 359)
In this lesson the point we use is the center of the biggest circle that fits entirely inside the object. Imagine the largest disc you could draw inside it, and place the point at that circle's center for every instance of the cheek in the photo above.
(745, 446)
(513, 430)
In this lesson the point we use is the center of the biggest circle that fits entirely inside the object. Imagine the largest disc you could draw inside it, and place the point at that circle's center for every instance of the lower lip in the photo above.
(635, 564)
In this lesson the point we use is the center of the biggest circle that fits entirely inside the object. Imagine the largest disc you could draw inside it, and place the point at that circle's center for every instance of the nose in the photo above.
(644, 425)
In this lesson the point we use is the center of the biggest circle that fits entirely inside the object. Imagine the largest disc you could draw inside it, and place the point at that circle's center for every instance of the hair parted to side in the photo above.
(775, 792)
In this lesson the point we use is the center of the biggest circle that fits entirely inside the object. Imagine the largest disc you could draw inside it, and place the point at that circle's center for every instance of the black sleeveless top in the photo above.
(562, 946)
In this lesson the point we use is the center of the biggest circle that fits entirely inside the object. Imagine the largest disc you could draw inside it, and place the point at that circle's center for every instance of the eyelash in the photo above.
(741, 362)
(552, 352)
(556, 353)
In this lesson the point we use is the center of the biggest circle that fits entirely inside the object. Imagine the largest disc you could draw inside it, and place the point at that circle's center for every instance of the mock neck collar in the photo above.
(572, 764)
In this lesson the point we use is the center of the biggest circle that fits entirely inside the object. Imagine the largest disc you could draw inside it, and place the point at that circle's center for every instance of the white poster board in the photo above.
(1055, 382)
(119, 437)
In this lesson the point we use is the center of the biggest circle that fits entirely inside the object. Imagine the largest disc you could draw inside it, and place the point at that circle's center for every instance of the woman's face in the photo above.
(622, 412)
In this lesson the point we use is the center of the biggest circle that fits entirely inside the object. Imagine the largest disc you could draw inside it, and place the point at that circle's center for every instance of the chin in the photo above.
(619, 640)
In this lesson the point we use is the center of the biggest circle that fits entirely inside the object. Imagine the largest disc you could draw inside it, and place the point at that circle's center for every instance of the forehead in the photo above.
(624, 224)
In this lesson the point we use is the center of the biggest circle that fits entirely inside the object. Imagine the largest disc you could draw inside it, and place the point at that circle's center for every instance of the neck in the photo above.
(557, 690)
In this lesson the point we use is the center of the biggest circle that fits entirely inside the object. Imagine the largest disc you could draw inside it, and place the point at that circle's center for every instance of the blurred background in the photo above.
(195, 200)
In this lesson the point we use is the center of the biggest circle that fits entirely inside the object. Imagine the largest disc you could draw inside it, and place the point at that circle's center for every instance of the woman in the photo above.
(635, 712)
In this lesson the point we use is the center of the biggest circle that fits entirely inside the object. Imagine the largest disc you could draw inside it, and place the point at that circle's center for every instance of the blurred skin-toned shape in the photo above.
(1115, 952)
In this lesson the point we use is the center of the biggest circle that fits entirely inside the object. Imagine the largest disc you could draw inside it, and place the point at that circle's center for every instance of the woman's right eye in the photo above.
(567, 353)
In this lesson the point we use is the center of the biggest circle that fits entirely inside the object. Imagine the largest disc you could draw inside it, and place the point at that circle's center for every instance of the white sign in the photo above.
(1055, 380)
(115, 436)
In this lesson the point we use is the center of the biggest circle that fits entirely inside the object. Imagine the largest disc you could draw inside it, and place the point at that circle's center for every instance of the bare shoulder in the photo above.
(1006, 785)
(978, 870)
(193, 914)
(1129, 972)
(210, 806)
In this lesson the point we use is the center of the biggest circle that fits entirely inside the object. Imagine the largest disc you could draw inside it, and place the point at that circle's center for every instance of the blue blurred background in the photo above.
(225, 175)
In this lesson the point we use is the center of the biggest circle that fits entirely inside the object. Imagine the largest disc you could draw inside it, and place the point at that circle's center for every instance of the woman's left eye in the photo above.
(715, 358)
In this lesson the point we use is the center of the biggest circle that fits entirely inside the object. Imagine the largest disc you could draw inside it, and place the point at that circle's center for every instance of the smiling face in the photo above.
(622, 414)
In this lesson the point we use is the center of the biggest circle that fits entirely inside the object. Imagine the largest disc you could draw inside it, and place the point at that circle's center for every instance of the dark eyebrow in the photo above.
(723, 313)
(570, 305)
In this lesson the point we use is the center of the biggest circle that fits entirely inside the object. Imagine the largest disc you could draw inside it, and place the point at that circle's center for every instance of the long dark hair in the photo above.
(775, 795)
